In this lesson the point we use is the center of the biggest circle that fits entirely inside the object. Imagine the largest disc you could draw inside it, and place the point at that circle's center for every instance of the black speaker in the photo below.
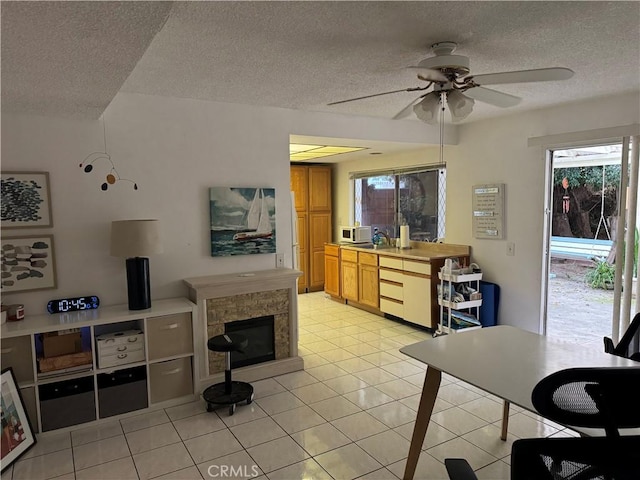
(138, 285)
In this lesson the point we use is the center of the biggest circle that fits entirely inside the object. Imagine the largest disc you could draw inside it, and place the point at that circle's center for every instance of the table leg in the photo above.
(425, 408)
(505, 420)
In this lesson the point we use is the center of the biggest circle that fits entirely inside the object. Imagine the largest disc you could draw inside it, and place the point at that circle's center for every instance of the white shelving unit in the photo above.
(447, 284)
(165, 375)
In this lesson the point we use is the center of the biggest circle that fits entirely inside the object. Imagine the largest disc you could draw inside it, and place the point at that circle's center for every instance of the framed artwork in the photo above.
(27, 263)
(26, 200)
(17, 434)
(242, 221)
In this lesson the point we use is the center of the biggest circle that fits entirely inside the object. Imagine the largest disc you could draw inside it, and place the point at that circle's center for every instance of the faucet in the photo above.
(386, 236)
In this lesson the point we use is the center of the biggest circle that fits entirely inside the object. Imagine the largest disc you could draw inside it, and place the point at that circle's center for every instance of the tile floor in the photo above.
(348, 415)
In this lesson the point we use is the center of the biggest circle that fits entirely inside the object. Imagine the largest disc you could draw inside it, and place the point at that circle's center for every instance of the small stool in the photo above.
(228, 392)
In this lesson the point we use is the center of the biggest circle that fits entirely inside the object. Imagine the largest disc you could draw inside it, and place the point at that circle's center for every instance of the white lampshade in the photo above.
(427, 110)
(135, 238)
(460, 105)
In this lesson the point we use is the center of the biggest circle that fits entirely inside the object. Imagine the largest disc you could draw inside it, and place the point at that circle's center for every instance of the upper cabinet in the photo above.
(312, 188)
(300, 185)
(320, 189)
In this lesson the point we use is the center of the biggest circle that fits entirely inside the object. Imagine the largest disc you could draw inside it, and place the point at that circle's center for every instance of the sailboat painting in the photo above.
(242, 221)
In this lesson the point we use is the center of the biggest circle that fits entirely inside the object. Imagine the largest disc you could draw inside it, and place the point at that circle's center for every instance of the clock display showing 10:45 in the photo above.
(73, 304)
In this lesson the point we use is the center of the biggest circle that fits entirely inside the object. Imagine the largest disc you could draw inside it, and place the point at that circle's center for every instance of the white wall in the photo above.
(496, 151)
(175, 149)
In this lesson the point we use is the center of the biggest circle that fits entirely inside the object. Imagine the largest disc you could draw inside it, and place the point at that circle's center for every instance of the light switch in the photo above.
(511, 249)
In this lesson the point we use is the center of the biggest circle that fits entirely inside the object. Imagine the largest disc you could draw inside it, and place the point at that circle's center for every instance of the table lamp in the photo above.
(135, 240)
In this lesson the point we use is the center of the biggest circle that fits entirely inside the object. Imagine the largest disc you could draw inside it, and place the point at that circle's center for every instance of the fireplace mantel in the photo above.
(215, 286)
(203, 291)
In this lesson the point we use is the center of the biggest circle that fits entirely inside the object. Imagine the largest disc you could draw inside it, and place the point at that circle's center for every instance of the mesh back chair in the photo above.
(601, 398)
(622, 349)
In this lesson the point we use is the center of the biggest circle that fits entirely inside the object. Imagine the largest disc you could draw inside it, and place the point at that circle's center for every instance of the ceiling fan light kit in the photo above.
(427, 110)
(460, 105)
(450, 75)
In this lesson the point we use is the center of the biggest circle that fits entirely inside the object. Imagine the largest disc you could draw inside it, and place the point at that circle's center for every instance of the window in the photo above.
(413, 197)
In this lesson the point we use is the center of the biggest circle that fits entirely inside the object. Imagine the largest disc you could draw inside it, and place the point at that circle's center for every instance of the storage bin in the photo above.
(67, 403)
(122, 391)
(120, 348)
(16, 353)
(56, 344)
(169, 335)
(490, 303)
(29, 400)
(172, 379)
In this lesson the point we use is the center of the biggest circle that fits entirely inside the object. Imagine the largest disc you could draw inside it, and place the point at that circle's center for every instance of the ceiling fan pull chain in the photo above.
(442, 100)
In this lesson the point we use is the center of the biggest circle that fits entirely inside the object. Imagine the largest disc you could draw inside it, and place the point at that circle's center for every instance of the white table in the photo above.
(504, 361)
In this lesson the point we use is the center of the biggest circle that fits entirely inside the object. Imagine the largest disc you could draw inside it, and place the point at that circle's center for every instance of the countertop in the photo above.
(419, 250)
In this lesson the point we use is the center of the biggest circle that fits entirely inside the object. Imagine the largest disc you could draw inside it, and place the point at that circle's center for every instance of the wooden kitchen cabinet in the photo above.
(349, 275)
(368, 283)
(332, 270)
(320, 189)
(311, 185)
(359, 277)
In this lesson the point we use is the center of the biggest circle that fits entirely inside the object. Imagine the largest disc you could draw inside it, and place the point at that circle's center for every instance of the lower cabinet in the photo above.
(359, 277)
(349, 275)
(405, 290)
(417, 299)
(332, 270)
(368, 282)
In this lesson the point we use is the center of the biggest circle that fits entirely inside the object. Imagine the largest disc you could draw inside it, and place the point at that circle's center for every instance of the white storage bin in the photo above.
(120, 348)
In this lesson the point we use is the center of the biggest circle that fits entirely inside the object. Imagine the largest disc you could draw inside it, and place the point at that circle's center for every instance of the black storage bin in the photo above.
(490, 303)
(122, 391)
(67, 403)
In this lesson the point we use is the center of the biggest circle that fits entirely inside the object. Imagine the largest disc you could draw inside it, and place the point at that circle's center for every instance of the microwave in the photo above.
(355, 234)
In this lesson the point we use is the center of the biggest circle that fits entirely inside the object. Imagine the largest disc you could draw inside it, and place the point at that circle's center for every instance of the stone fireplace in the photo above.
(226, 310)
(225, 299)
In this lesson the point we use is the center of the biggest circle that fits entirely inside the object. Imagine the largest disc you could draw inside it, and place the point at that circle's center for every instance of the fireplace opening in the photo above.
(261, 347)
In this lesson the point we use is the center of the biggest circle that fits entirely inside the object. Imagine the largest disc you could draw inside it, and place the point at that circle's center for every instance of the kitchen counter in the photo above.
(419, 250)
(388, 280)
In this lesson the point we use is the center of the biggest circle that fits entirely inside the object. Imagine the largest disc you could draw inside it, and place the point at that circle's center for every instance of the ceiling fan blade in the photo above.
(408, 110)
(371, 96)
(492, 97)
(520, 76)
(430, 75)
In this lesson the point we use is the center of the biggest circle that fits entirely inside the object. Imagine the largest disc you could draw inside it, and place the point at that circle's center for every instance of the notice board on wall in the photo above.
(488, 211)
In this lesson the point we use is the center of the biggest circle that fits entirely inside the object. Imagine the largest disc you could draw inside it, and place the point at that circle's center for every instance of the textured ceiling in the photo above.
(70, 58)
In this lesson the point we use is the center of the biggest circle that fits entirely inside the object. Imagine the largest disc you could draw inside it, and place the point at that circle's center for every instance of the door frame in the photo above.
(581, 139)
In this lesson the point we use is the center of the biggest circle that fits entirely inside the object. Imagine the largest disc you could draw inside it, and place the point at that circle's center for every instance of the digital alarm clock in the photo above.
(73, 304)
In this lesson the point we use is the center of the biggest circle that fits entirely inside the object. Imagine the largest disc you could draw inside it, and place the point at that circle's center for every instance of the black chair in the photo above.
(600, 398)
(622, 349)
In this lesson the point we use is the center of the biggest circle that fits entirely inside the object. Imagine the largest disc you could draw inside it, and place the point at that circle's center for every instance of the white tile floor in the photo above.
(349, 415)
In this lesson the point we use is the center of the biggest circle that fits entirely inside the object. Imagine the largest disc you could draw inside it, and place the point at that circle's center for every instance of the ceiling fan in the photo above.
(448, 79)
